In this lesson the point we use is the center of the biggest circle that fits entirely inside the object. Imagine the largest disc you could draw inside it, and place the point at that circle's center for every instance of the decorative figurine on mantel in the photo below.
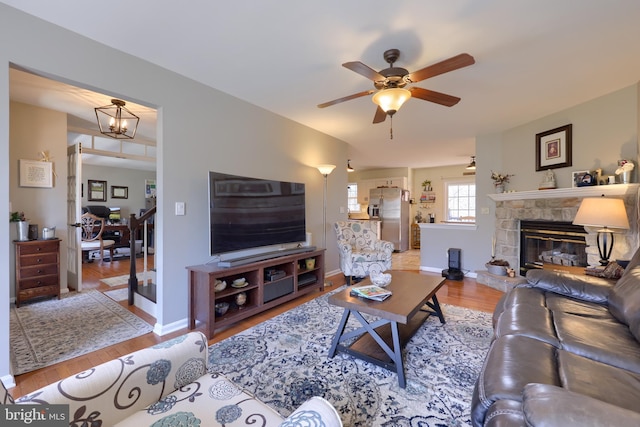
(548, 182)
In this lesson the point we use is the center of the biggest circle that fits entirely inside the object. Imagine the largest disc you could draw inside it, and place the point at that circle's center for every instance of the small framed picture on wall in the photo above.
(118, 192)
(97, 191)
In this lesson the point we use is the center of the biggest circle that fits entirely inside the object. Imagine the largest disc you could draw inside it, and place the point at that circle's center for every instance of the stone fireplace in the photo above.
(560, 206)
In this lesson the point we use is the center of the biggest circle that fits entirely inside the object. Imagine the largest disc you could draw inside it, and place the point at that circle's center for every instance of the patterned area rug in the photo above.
(124, 279)
(283, 361)
(48, 332)
(118, 294)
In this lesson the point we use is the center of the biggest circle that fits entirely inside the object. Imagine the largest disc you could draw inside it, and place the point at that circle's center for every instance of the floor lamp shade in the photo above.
(606, 213)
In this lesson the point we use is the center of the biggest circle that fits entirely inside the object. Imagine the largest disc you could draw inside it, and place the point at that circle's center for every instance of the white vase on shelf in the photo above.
(499, 188)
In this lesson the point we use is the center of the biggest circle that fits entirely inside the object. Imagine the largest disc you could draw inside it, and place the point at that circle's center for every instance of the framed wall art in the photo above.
(118, 192)
(553, 148)
(97, 191)
(34, 173)
(576, 177)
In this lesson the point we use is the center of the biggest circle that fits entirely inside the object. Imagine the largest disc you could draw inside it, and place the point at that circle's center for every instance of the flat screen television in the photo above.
(249, 213)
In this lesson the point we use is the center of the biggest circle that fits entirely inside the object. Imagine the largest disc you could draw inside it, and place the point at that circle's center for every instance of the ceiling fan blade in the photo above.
(380, 116)
(364, 70)
(346, 98)
(433, 96)
(459, 61)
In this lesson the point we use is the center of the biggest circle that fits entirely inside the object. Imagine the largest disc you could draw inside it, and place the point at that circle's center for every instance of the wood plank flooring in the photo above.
(466, 293)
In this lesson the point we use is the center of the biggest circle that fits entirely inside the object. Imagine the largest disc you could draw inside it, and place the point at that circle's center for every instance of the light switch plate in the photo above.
(179, 208)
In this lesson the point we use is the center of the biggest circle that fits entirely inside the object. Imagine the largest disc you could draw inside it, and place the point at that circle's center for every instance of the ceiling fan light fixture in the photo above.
(472, 165)
(116, 121)
(390, 100)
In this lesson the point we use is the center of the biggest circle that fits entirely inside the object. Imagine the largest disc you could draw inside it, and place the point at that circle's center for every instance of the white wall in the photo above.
(121, 177)
(604, 130)
(200, 129)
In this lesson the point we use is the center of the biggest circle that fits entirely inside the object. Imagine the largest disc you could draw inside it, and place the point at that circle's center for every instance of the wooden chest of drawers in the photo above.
(37, 269)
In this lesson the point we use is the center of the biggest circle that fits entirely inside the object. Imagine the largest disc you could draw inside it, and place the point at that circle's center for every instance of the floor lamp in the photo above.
(325, 170)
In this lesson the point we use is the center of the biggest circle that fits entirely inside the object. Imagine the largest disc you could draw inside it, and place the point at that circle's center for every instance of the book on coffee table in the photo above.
(373, 292)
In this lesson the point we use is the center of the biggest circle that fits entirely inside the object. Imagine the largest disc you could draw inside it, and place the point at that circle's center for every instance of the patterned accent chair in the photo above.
(361, 251)
(168, 384)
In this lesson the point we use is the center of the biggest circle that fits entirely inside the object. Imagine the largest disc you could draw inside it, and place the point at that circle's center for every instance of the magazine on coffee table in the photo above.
(372, 292)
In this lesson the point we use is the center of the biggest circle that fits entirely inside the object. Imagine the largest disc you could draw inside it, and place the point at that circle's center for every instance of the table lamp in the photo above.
(603, 212)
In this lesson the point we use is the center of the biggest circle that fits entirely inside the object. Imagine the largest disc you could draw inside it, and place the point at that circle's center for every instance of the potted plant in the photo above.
(499, 180)
(426, 184)
(22, 225)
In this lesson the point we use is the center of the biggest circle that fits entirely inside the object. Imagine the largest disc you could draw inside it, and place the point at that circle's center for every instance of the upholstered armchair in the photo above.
(361, 251)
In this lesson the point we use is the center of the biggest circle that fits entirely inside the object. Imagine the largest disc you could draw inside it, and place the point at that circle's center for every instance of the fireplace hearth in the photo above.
(552, 244)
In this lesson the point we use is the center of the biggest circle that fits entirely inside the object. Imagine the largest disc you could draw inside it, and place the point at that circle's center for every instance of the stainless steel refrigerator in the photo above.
(391, 207)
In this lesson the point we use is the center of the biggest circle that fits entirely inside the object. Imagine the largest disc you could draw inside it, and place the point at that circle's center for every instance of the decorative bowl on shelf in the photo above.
(221, 308)
(239, 283)
(380, 279)
(220, 285)
(498, 270)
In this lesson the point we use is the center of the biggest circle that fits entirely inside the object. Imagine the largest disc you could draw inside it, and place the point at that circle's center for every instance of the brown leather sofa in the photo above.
(566, 352)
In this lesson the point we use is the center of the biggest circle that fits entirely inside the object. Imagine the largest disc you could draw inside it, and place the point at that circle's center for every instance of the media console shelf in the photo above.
(269, 283)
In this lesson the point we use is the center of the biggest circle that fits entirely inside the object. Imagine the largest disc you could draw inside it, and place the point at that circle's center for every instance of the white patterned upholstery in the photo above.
(168, 384)
(361, 251)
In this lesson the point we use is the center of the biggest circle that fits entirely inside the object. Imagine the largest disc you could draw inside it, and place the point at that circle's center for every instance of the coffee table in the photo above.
(398, 317)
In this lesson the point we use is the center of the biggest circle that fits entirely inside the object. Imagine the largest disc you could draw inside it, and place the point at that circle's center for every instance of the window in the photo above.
(352, 198)
(460, 195)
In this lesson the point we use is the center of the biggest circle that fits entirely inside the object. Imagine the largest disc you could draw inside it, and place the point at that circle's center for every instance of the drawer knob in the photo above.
(39, 249)
(39, 260)
(39, 271)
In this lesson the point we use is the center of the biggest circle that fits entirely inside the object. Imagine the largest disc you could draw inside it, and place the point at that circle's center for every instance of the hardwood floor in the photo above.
(467, 294)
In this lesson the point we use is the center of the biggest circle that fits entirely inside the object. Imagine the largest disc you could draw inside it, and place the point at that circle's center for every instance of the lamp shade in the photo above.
(602, 212)
(390, 100)
(326, 169)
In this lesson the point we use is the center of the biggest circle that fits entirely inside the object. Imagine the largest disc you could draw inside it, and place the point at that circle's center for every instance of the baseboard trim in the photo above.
(470, 274)
(9, 381)
(161, 330)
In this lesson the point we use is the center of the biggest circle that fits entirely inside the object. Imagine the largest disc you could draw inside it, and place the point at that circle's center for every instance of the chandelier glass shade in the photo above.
(390, 100)
(116, 121)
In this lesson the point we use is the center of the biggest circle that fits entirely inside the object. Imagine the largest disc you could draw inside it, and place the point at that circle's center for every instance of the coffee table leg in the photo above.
(339, 332)
(397, 351)
(435, 306)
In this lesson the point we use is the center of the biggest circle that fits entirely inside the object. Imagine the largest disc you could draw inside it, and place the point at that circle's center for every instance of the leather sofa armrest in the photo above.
(585, 288)
(315, 411)
(546, 406)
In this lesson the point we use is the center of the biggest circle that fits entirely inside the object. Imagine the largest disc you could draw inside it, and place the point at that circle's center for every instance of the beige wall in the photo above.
(437, 177)
(33, 130)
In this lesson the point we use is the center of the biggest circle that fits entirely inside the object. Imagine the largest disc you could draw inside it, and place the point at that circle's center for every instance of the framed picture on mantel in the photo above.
(553, 148)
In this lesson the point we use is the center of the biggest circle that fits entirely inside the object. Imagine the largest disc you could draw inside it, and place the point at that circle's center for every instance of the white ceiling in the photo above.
(533, 58)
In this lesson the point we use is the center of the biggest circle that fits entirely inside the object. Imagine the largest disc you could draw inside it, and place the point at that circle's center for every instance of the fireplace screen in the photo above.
(558, 245)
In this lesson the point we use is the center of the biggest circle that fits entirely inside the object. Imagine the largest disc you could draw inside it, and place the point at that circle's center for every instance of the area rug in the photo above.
(118, 294)
(124, 279)
(48, 332)
(283, 361)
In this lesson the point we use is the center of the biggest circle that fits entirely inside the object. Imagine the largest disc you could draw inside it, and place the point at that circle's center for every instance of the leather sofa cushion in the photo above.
(584, 288)
(562, 304)
(503, 376)
(549, 406)
(505, 413)
(518, 295)
(533, 321)
(600, 381)
(603, 340)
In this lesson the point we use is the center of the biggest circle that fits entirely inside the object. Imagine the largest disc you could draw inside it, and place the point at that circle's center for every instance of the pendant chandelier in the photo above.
(116, 121)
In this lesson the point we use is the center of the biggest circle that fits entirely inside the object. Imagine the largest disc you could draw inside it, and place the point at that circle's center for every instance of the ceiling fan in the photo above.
(390, 83)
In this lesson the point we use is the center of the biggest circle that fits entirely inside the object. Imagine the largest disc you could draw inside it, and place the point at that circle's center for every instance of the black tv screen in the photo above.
(247, 213)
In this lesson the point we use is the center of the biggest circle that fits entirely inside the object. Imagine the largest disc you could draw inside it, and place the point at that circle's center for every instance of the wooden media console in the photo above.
(262, 291)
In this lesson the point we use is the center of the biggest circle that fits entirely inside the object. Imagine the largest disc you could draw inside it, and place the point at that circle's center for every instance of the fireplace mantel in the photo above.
(558, 193)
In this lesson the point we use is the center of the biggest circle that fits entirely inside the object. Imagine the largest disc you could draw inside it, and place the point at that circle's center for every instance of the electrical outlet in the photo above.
(179, 208)
(484, 211)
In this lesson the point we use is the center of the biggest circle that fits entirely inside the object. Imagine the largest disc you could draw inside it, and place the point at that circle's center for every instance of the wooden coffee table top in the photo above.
(410, 292)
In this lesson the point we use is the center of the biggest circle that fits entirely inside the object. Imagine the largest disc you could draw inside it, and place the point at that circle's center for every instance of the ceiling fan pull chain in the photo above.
(390, 127)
